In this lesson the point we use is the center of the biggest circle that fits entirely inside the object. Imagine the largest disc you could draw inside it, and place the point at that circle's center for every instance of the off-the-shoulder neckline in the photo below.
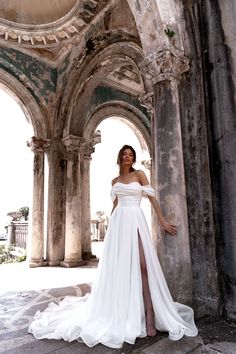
(146, 185)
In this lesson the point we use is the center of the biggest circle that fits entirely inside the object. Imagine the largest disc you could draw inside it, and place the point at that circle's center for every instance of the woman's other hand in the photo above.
(169, 228)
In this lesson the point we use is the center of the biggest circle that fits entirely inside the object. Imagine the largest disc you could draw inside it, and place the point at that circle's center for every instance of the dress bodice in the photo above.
(130, 194)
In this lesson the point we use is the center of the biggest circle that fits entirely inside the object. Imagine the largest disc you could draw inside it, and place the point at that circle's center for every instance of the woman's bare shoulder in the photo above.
(140, 173)
(114, 181)
(142, 177)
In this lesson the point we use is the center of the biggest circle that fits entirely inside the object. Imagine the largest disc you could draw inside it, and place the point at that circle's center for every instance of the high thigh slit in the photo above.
(114, 312)
(149, 312)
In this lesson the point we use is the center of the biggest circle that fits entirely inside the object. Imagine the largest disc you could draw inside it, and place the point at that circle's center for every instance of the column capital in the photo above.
(88, 145)
(167, 64)
(147, 101)
(72, 143)
(37, 144)
(147, 164)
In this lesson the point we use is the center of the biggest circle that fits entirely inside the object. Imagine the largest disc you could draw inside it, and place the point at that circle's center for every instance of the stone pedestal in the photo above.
(38, 146)
(73, 248)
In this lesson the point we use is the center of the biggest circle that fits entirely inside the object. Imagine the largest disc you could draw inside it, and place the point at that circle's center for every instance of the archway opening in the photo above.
(115, 132)
(16, 161)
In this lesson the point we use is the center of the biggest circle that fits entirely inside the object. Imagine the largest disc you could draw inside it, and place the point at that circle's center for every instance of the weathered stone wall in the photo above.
(197, 169)
(38, 77)
(105, 95)
(219, 48)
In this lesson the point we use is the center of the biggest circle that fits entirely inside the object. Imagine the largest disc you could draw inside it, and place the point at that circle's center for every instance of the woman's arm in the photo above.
(116, 200)
(114, 204)
(166, 226)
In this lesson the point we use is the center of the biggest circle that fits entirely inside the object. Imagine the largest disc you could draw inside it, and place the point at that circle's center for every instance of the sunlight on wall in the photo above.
(15, 157)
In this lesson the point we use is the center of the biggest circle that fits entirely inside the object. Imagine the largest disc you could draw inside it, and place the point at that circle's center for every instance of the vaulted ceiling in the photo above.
(35, 12)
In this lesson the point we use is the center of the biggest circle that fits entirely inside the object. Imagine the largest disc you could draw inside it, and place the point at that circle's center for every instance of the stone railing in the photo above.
(17, 234)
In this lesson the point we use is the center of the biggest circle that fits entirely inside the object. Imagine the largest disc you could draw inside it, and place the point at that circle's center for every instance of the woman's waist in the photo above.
(126, 203)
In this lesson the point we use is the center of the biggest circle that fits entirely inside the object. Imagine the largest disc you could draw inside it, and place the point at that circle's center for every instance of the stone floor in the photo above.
(22, 299)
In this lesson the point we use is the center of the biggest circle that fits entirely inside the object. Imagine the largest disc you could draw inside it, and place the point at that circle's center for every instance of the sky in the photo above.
(16, 158)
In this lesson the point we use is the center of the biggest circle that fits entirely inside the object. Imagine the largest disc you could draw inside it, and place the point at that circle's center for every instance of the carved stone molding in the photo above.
(72, 144)
(38, 144)
(97, 137)
(167, 64)
(147, 164)
(147, 101)
(46, 35)
(88, 146)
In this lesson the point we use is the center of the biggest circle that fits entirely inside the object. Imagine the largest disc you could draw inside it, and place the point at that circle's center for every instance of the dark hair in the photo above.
(120, 154)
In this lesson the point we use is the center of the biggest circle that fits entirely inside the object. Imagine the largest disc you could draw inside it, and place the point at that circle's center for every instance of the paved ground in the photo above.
(25, 290)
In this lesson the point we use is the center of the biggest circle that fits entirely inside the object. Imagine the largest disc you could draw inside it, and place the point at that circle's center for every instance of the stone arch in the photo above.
(106, 65)
(31, 109)
(94, 73)
(121, 110)
(126, 112)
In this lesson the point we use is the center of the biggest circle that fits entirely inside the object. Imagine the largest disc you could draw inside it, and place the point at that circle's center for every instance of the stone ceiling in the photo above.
(50, 29)
(46, 23)
(34, 12)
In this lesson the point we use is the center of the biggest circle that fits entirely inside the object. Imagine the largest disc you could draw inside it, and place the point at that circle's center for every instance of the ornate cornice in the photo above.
(78, 145)
(147, 164)
(38, 144)
(88, 145)
(48, 35)
(146, 101)
(71, 143)
(167, 64)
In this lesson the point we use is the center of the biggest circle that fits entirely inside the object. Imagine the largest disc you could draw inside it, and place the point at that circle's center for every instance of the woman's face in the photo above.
(127, 157)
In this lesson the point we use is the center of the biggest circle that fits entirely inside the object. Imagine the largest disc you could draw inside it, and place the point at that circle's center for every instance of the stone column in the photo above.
(87, 150)
(73, 247)
(165, 69)
(38, 146)
(56, 203)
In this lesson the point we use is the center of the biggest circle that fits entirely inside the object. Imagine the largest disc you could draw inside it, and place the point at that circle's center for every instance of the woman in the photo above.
(129, 297)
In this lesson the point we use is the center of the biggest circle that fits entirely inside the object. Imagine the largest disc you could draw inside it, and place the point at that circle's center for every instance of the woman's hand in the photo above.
(169, 228)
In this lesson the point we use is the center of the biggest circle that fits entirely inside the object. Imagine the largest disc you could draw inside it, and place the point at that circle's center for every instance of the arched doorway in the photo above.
(37, 141)
(16, 172)
(115, 132)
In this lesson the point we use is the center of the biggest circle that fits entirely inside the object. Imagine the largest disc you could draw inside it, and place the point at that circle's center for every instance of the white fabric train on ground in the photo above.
(114, 311)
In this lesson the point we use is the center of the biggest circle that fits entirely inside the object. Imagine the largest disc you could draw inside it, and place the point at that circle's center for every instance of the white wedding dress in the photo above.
(114, 311)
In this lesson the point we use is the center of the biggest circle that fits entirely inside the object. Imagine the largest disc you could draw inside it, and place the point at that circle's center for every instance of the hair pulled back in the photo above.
(120, 156)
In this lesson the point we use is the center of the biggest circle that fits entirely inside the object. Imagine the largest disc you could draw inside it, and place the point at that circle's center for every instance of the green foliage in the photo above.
(25, 212)
(169, 33)
(9, 254)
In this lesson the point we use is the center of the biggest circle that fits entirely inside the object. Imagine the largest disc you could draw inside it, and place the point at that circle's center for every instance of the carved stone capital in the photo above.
(71, 143)
(86, 150)
(147, 101)
(38, 144)
(97, 137)
(88, 145)
(147, 164)
(167, 64)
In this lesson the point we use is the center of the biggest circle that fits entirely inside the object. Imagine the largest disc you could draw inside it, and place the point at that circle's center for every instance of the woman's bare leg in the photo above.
(151, 330)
